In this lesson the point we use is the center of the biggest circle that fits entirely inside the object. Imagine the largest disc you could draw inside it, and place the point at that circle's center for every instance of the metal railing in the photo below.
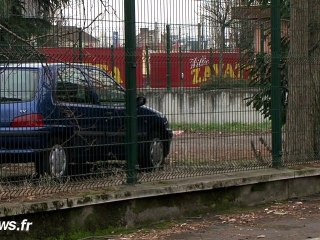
(217, 98)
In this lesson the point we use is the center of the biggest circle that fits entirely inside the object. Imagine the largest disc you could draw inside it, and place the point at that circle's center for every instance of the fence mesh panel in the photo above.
(202, 66)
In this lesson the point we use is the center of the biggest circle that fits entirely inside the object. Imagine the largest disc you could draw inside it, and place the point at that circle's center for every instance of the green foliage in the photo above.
(259, 66)
(284, 4)
(224, 83)
(18, 27)
(50, 6)
(260, 73)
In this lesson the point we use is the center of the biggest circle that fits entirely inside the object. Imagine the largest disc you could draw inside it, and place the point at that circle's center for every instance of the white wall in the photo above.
(195, 106)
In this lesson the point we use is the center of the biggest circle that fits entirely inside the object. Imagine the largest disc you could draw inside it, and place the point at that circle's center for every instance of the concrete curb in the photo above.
(154, 189)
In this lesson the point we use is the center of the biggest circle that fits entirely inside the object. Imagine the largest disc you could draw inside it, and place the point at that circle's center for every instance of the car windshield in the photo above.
(18, 84)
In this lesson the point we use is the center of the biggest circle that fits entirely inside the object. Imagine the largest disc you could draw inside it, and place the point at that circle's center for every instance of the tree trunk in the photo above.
(314, 65)
(300, 125)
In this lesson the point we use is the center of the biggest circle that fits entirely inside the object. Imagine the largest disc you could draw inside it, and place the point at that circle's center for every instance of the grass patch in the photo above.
(92, 235)
(225, 127)
(112, 232)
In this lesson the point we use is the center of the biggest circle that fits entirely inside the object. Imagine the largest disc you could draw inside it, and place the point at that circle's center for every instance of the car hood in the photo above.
(145, 110)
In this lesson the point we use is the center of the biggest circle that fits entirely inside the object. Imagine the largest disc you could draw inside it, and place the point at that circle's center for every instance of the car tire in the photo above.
(55, 160)
(153, 154)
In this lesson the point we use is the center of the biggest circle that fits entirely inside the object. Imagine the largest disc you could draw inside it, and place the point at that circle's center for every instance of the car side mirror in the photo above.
(141, 101)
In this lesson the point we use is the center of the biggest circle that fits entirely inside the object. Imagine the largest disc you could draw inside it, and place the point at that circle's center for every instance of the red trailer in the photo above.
(111, 60)
(187, 69)
(190, 69)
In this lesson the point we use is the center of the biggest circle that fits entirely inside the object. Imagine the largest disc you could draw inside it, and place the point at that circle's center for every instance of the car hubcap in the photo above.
(156, 152)
(58, 161)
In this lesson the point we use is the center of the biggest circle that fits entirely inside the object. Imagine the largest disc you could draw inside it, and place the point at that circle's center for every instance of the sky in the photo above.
(167, 11)
(102, 17)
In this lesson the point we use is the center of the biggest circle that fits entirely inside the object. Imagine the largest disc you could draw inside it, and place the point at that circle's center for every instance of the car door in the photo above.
(110, 110)
(75, 104)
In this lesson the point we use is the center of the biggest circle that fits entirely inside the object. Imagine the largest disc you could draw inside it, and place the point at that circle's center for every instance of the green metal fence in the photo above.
(99, 93)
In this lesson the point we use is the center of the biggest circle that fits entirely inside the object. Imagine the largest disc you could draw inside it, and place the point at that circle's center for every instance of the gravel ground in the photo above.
(190, 149)
(208, 147)
(192, 154)
(297, 219)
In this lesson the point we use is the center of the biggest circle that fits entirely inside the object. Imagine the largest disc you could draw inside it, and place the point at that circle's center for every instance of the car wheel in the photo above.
(153, 156)
(55, 160)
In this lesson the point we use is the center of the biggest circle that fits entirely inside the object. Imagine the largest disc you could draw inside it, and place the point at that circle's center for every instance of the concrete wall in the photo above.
(132, 206)
(195, 106)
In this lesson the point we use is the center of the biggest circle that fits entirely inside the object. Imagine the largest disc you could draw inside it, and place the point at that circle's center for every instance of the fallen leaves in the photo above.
(241, 218)
(238, 221)
(189, 226)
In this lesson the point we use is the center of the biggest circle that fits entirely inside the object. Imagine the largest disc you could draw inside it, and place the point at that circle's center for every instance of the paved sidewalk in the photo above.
(297, 219)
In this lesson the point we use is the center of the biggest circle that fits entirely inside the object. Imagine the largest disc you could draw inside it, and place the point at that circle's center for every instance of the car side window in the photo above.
(72, 86)
(105, 87)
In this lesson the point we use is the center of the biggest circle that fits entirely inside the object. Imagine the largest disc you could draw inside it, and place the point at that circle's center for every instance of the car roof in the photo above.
(39, 65)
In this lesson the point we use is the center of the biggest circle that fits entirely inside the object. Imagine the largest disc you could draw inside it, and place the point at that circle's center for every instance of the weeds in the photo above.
(234, 127)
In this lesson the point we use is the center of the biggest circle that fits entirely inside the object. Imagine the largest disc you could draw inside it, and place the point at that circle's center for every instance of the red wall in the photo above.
(97, 56)
(195, 66)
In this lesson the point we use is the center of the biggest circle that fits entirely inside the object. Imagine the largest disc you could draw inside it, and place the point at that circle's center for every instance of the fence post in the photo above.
(112, 60)
(240, 63)
(181, 68)
(168, 58)
(261, 38)
(131, 91)
(80, 46)
(199, 45)
(147, 67)
(262, 52)
(276, 84)
(211, 64)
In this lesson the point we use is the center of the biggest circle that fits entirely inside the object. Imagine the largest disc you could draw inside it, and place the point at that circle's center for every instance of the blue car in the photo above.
(65, 115)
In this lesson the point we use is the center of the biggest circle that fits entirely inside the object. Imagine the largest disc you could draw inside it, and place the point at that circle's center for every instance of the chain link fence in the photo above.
(203, 86)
